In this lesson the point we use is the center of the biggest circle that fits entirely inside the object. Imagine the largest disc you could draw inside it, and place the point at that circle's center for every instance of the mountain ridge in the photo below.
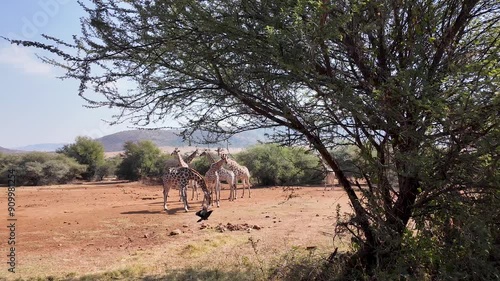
(10, 151)
(162, 138)
(169, 138)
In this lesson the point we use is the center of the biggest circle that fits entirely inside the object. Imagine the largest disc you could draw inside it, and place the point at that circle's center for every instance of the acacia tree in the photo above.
(412, 84)
(86, 151)
(141, 159)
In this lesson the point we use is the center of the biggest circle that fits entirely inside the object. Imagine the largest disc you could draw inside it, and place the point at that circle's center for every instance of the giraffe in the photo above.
(177, 153)
(330, 175)
(190, 158)
(180, 177)
(188, 161)
(185, 164)
(240, 173)
(212, 178)
(224, 175)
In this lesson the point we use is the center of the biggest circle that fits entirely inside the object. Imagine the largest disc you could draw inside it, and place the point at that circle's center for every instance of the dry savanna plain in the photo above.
(118, 229)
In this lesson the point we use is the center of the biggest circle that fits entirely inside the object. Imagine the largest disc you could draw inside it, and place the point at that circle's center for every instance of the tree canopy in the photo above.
(141, 159)
(86, 151)
(412, 84)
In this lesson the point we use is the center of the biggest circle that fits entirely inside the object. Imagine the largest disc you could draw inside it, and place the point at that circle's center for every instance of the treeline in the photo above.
(269, 164)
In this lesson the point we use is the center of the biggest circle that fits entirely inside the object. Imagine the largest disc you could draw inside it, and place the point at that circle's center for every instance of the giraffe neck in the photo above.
(209, 157)
(199, 180)
(191, 157)
(217, 165)
(181, 161)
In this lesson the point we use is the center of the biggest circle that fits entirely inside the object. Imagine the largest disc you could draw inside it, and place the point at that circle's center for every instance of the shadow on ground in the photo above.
(171, 275)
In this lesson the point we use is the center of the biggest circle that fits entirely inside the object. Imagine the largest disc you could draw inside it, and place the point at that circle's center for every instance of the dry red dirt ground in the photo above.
(91, 228)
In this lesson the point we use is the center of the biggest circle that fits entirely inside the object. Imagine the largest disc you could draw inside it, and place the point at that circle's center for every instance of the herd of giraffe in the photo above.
(183, 176)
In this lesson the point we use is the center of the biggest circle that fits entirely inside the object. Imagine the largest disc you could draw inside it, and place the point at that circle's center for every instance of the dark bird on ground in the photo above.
(203, 214)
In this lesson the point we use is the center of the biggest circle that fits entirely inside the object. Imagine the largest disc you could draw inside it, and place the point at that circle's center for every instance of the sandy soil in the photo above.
(91, 228)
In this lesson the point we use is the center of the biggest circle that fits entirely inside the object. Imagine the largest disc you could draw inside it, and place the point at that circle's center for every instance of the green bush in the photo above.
(40, 168)
(201, 164)
(86, 151)
(141, 159)
(108, 168)
(270, 164)
(348, 159)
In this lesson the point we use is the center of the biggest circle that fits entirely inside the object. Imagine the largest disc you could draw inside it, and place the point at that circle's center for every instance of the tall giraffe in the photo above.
(177, 153)
(212, 178)
(224, 175)
(180, 177)
(193, 184)
(330, 175)
(240, 173)
(190, 158)
(182, 163)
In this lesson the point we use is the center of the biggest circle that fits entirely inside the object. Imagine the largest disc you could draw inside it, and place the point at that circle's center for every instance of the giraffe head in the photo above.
(176, 151)
(206, 151)
(224, 157)
(220, 151)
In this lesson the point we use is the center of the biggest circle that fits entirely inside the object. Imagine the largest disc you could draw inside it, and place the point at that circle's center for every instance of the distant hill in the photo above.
(9, 151)
(162, 138)
(45, 147)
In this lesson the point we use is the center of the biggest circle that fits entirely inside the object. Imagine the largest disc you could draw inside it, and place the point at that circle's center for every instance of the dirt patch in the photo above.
(81, 229)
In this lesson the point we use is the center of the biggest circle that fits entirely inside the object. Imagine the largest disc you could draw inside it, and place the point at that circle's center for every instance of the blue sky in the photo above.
(36, 106)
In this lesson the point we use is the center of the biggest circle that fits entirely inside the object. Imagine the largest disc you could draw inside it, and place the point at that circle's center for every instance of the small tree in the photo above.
(87, 152)
(271, 164)
(141, 159)
(108, 168)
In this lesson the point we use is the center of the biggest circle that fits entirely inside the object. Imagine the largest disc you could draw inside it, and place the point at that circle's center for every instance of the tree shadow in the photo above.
(156, 203)
(171, 275)
(203, 274)
(142, 212)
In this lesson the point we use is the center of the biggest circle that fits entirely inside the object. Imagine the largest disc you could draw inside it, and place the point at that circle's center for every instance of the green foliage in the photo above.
(271, 164)
(40, 168)
(201, 164)
(349, 160)
(141, 159)
(108, 168)
(86, 151)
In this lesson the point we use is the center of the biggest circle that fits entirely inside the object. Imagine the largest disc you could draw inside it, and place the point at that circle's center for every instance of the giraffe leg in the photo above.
(184, 196)
(235, 189)
(207, 199)
(195, 190)
(243, 188)
(192, 184)
(248, 185)
(212, 192)
(230, 192)
(166, 188)
(217, 193)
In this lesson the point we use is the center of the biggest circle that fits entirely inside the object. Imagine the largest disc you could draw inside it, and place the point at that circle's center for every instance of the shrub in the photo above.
(108, 168)
(86, 151)
(40, 168)
(270, 164)
(141, 159)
